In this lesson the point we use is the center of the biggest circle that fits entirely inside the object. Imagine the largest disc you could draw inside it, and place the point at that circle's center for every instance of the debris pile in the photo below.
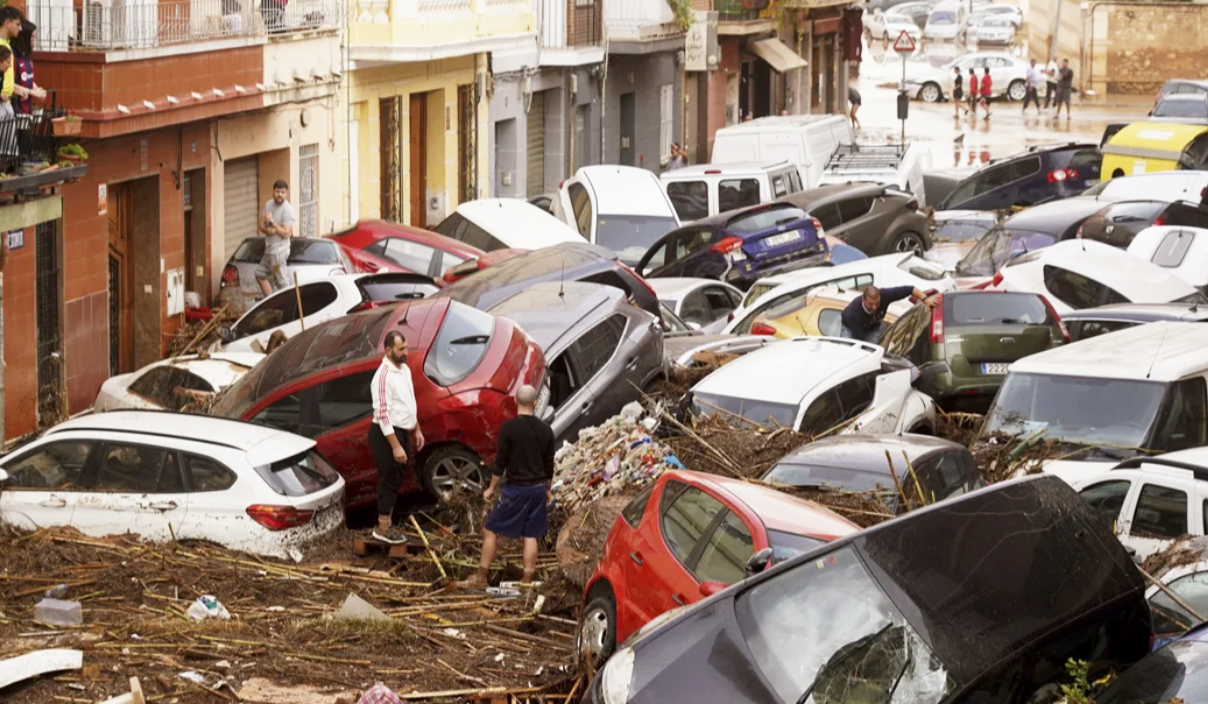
(195, 335)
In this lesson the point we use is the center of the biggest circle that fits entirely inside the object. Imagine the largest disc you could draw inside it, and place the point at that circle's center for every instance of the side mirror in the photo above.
(758, 562)
(225, 334)
(711, 588)
(3, 476)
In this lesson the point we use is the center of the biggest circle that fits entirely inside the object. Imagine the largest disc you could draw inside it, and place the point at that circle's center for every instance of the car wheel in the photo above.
(597, 637)
(885, 36)
(909, 242)
(450, 470)
(1017, 90)
(930, 93)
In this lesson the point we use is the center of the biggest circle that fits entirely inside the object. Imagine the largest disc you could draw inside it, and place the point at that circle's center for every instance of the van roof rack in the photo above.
(864, 156)
(1199, 471)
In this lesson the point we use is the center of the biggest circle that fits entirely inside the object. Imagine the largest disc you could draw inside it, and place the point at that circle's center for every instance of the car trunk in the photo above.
(774, 245)
(996, 344)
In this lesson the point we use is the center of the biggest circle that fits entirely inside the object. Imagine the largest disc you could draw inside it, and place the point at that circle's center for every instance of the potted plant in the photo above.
(66, 126)
(72, 153)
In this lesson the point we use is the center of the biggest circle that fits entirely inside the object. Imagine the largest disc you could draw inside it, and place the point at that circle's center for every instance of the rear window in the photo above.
(1138, 211)
(764, 219)
(300, 252)
(961, 230)
(460, 345)
(942, 17)
(995, 309)
(1196, 107)
(299, 475)
(1086, 161)
(741, 412)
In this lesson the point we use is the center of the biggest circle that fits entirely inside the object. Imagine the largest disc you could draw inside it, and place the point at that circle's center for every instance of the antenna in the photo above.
(1165, 328)
(407, 308)
(562, 281)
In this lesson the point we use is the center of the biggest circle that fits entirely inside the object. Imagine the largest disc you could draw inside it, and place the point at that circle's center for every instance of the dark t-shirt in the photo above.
(526, 452)
(1065, 78)
(856, 319)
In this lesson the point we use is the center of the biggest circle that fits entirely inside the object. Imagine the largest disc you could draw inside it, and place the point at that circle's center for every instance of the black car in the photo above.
(1117, 224)
(1038, 175)
(872, 218)
(857, 462)
(1091, 322)
(1027, 231)
(980, 599)
(571, 261)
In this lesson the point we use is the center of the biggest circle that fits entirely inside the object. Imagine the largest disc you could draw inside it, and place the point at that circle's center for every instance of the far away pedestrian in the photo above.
(1065, 86)
(853, 97)
(1033, 90)
(861, 319)
(986, 86)
(525, 461)
(277, 224)
(1050, 79)
(958, 92)
(394, 436)
(679, 158)
(974, 94)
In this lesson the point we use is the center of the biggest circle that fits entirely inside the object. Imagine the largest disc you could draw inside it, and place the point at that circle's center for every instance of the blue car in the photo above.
(739, 246)
(1176, 672)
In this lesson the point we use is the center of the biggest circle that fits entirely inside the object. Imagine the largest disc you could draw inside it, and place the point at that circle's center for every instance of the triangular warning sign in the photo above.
(903, 44)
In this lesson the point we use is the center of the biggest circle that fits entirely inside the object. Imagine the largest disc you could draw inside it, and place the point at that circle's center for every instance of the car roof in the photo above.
(809, 275)
(778, 511)
(548, 310)
(697, 170)
(1140, 312)
(626, 190)
(723, 219)
(527, 225)
(1132, 276)
(866, 451)
(676, 287)
(565, 262)
(787, 122)
(814, 196)
(1161, 351)
(1184, 97)
(787, 371)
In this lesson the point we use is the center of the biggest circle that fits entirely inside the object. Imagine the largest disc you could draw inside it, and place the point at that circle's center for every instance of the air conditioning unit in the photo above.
(115, 24)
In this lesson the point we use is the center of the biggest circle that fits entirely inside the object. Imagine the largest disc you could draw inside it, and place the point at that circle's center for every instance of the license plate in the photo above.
(995, 368)
(782, 238)
(1092, 182)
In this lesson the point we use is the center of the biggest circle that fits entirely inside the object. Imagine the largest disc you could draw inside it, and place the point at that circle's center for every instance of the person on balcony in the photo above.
(273, 13)
(25, 90)
(10, 28)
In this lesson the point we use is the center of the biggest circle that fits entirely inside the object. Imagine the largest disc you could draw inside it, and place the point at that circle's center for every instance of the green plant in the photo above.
(73, 150)
(64, 164)
(1078, 691)
(684, 15)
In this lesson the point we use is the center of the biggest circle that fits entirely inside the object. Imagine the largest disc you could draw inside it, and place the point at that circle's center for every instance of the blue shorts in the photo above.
(520, 513)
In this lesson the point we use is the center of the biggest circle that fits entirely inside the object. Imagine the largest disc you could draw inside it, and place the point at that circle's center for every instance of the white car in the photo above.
(948, 21)
(505, 223)
(703, 303)
(1008, 75)
(1010, 13)
(1167, 186)
(173, 384)
(816, 384)
(1183, 251)
(1079, 273)
(167, 476)
(898, 269)
(310, 259)
(623, 208)
(321, 301)
(888, 26)
(995, 30)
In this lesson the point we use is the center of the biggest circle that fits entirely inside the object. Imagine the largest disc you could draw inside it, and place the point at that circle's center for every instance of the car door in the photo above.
(722, 302)
(590, 396)
(44, 483)
(1160, 514)
(137, 488)
(861, 228)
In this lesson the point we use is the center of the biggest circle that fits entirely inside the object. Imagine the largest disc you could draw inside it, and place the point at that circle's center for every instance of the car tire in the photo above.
(453, 469)
(885, 36)
(907, 241)
(1017, 90)
(930, 93)
(596, 639)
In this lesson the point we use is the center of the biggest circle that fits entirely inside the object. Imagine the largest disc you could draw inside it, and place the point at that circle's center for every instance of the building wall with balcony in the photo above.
(416, 30)
(643, 109)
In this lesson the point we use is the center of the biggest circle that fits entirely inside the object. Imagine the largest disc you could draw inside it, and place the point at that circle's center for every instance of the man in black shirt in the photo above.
(525, 459)
(861, 319)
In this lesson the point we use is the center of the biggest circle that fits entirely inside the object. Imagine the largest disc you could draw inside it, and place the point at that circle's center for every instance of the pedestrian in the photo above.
(1050, 79)
(273, 14)
(1065, 86)
(974, 94)
(525, 461)
(10, 29)
(25, 90)
(394, 435)
(679, 158)
(986, 87)
(853, 97)
(1033, 88)
(277, 225)
(958, 92)
(861, 319)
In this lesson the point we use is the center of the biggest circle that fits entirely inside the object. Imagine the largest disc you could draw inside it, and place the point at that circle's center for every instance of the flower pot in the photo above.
(64, 127)
(74, 159)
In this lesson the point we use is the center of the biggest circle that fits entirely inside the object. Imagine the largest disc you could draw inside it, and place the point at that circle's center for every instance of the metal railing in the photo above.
(636, 18)
(28, 139)
(739, 10)
(133, 24)
(569, 23)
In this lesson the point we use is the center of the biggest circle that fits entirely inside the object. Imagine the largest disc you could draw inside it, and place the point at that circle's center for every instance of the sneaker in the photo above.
(392, 536)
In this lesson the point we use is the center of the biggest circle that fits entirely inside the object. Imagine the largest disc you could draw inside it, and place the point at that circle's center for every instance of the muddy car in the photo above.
(972, 600)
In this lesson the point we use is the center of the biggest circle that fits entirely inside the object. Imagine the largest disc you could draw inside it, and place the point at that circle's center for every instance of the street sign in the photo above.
(903, 44)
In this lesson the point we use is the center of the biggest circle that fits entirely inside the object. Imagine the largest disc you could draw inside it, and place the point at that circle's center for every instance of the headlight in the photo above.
(617, 679)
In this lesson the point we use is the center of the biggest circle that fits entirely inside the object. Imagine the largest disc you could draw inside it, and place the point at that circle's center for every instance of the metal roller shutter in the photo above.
(241, 192)
(535, 167)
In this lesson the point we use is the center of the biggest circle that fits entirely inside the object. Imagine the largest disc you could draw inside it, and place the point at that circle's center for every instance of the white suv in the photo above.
(170, 476)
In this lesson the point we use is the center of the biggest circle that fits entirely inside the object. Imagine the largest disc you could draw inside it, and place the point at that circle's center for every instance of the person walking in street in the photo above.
(986, 86)
(958, 93)
(394, 435)
(25, 90)
(277, 225)
(861, 319)
(1033, 88)
(853, 97)
(525, 461)
(1050, 81)
(974, 94)
(1065, 86)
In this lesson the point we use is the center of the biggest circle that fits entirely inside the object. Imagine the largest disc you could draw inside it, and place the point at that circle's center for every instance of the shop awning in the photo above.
(777, 54)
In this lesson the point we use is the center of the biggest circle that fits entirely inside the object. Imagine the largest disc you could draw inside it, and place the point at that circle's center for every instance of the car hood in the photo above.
(1075, 472)
(681, 349)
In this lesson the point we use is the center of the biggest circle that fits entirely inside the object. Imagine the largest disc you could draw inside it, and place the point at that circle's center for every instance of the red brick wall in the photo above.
(20, 341)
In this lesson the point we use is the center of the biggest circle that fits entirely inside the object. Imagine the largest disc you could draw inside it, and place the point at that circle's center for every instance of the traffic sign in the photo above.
(903, 44)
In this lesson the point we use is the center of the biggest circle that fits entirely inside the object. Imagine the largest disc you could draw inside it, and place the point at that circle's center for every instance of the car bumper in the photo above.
(745, 276)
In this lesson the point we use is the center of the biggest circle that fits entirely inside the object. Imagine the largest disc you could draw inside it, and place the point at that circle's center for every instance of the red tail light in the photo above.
(279, 517)
(641, 281)
(937, 321)
(997, 279)
(763, 329)
(1159, 221)
(1058, 175)
(368, 305)
(1065, 334)
(817, 225)
(230, 275)
(727, 245)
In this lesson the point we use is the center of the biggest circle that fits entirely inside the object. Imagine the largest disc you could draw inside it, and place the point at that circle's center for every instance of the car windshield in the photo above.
(789, 545)
(996, 309)
(1178, 672)
(1182, 108)
(631, 235)
(460, 344)
(741, 411)
(942, 17)
(961, 230)
(1115, 413)
(300, 252)
(826, 628)
(764, 219)
(997, 247)
(300, 475)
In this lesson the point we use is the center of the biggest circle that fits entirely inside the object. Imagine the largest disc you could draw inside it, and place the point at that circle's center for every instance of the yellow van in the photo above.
(1144, 147)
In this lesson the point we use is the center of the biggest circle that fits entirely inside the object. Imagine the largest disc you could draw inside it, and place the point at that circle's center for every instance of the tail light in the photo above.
(368, 305)
(997, 279)
(230, 276)
(279, 517)
(818, 226)
(763, 329)
(1159, 221)
(640, 280)
(1078, 234)
(1065, 334)
(937, 321)
(1059, 175)
(727, 245)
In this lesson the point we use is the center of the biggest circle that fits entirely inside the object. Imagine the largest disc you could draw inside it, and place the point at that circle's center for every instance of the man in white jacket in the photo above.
(394, 436)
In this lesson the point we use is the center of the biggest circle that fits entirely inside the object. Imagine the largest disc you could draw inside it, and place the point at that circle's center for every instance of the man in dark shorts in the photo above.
(1065, 86)
(853, 97)
(525, 459)
(861, 319)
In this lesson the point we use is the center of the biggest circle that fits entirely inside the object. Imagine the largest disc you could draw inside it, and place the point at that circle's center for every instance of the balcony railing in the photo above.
(569, 23)
(134, 24)
(639, 19)
(739, 10)
(29, 155)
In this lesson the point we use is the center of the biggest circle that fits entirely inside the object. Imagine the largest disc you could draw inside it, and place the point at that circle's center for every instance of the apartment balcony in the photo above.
(641, 26)
(396, 31)
(30, 162)
(570, 32)
(743, 17)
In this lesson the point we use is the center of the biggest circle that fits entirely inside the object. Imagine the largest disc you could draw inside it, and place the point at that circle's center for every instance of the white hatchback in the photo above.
(167, 476)
(1182, 251)
(175, 383)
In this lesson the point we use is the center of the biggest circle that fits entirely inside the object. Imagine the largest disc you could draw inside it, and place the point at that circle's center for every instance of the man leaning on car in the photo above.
(861, 319)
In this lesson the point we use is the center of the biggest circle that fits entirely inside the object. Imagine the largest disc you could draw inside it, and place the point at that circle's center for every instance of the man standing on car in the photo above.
(861, 319)
(525, 459)
(394, 436)
(277, 225)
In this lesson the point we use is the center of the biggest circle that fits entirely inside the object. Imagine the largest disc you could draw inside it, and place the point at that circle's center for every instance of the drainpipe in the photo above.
(1056, 30)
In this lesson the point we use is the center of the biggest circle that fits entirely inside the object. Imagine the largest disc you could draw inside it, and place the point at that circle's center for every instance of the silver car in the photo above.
(600, 350)
(310, 258)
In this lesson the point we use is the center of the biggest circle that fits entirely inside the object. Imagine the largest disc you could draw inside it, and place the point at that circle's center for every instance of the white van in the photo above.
(805, 140)
(708, 189)
(884, 164)
(502, 223)
(948, 21)
(623, 208)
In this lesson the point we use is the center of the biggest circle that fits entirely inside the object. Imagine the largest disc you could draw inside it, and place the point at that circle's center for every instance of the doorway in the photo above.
(628, 117)
(121, 280)
(135, 312)
(52, 407)
(195, 233)
(417, 135)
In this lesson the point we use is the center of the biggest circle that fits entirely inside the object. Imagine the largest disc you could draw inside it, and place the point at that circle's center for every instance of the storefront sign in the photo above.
(701, 51)
(16, 239)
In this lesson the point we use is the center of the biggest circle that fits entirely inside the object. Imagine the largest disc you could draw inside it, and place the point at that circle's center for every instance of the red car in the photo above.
(378, 245)
(688, 536)
(466, 365)
(486, 261)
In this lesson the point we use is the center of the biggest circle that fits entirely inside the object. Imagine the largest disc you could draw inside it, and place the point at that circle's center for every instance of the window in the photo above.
(1161, 513)
(779, 188)
(733, 194)
(947, 476)
(563, 381)
(1173, 249)
(724, 556)
(160, 385)
(828, 215)
(460, 344)
(461, 229)
(317, 296)
(1183, 422)
(999, 309)
(1171, 618)
(580, 204)
(823, 414)
(1107, 499)
(690, 199)
(1085, 329)
(139, 469)
(1076, 290)
(666, 119)
(830, 322)
(57, 465)
(412, 256)
(854, 208)
(856, 394)
(765, 218)
(276, 310)
(206, 474)
(308, 193)
(696, 308)
(722, 301)
(596, 346)
(794, 182)
(902, 337)
(344, 400)
(299, 475)
(284, 414)
(686, 514)
(634, 509)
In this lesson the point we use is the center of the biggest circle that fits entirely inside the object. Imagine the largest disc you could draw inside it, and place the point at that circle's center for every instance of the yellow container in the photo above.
(1145, 147)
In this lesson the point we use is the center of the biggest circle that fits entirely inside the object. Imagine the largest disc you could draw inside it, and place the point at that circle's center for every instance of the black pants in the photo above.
(1031, 96)
(390, 473)
(1050, 91)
